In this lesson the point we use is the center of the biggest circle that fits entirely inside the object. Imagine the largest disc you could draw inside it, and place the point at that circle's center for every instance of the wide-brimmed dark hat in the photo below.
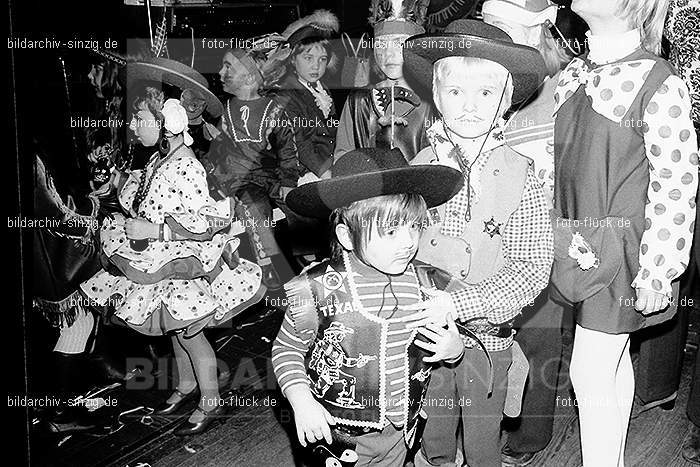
(176, 74)
(476, 39)
(369, 172)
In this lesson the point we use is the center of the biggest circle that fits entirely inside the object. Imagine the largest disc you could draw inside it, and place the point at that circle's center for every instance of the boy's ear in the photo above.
(342, 233)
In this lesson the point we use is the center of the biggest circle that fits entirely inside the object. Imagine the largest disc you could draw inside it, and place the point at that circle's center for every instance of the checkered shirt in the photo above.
(528, 254)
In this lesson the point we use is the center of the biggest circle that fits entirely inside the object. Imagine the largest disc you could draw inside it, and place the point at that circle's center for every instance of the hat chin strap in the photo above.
(519, 15)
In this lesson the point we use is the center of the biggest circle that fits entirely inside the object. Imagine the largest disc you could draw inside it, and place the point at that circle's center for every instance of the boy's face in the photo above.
(391, 251)
(388, 50)
(233, 74)
(468, 102)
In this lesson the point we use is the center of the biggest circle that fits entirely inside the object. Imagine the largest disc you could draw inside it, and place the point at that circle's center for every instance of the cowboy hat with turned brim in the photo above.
(176, 74)
(476, 39)
(369, 172)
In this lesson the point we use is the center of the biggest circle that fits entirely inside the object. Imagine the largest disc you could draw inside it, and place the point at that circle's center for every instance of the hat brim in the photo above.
(524, 63)
(176, 74)
(436, 183)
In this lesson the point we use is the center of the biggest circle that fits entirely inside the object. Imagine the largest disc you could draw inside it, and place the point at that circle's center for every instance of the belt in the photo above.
(471, 330)
(489, 329)
(345, 432)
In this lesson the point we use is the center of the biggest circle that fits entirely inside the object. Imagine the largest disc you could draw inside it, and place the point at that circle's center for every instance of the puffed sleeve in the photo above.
(671, 149)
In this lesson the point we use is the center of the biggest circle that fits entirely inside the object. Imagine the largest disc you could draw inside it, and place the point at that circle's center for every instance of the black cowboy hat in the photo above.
(176, 74)
(369, 172)
(476, 39)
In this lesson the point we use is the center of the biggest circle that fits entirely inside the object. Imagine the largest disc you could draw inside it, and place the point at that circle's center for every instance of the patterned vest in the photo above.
(346, 364)
(478, 253)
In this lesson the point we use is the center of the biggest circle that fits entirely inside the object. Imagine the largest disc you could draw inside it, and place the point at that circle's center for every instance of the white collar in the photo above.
(609, 48)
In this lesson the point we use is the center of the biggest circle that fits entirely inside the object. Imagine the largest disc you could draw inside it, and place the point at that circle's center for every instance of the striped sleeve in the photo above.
(288, 353)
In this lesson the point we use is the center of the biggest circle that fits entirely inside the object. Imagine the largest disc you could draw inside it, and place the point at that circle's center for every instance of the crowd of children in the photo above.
(450, 188)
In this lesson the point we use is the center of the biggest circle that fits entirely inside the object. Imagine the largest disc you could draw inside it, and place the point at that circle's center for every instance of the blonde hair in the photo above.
(555, 55)
(493, 71)
(647, 15)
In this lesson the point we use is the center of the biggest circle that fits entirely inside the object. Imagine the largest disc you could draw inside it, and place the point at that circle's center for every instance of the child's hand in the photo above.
(448, 344)
(649, 301)
(140, 229)
(311, 418)
(433, 310)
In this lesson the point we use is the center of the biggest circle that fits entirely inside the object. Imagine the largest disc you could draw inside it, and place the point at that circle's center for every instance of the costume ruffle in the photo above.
(162, 260)
(179, 284)
(172, 305)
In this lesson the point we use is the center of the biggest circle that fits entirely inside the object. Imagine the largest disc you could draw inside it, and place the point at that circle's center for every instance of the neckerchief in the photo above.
(463, 158)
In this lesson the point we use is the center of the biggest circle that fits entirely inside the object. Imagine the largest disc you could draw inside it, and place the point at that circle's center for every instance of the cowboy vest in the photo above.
(347, 361)
(478, 252)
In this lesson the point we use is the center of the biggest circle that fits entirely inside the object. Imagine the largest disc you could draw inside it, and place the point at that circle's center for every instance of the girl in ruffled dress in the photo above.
(171, 265)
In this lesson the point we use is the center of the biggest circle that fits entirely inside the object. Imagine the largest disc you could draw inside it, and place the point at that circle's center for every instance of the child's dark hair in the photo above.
(378, 214)
(109, 83)
(308, 43)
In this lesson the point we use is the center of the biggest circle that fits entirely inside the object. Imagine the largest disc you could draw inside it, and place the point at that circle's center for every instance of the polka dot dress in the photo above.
(624, 146)
(179, 196)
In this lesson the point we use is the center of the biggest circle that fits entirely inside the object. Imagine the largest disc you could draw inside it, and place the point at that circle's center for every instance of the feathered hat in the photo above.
(321, 24)
(398, 16)
(265, 58)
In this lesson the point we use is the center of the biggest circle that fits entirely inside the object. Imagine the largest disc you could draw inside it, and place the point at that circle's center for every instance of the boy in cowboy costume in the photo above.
(354, 373)
(494, 237)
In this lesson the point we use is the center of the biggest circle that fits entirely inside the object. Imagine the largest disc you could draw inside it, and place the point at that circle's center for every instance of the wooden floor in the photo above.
(259, 435)
(654, 437)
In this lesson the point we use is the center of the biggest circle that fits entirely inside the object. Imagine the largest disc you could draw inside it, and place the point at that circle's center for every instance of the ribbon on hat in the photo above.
(175, 119)
(510, 11)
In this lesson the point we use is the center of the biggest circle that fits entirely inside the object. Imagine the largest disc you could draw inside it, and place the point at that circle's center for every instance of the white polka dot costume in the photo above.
(187, 279)
(625, 146)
